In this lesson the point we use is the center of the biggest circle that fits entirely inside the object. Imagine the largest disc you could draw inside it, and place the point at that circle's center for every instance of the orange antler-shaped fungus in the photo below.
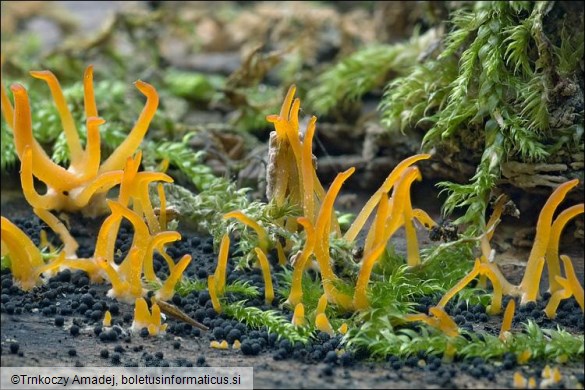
(150, 319)
(478, 269)
(291, 171)
(396, 173)
(26, 263)
(570, 286)
(167, 290)
(531, 281)
(552, 251)
(77, 187)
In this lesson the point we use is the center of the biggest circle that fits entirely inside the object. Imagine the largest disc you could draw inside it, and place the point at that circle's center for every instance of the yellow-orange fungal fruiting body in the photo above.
(220, 270)
(260, 231)
(70, 245)
(519, 381)
(298, 318)
(157, 242)
(363, 215)
(438, 319)
(83, 185)
(321, 305)
(360, 300)
(268, 290)
(149, 319)
(479, 268)
(400, 199)
(531, 280)
(296, 290)
(322, 324)
(107, 321)
(570, 286)
(163, 206)
(280, 253)
(552, 251)
(507, 320)
(167, 290)
(376, 232)
(445, 322)
(573, 281)
(212, 287)
(26, 262)
(321, 250)
(524, 357)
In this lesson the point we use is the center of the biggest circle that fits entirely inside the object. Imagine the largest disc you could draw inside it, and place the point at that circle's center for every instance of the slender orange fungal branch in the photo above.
(220, 270)
(552, 251)
(44, 168)
(363, 215)
(460, 285)
(280, 253)
(211, 286)
(376, 232)
(25, 256)
(88, 93)
(70, 245)
(438, 319)
(163, 207)
(167, 290)
(7, 109)
(263, 241)
(307, 171)
(404, 205)
(531, 279)
(360, 300)
(496, 214)
(67, 121)
(445, 322)
(296, 291)
(90, 163)
(424, 218)
(322, 304)
(323, 223)
(268, 290)
(134, 272)
(507, 321)
(573, 281)
(496, 306)
(120, 287)
(158, 242)
(118, 157)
